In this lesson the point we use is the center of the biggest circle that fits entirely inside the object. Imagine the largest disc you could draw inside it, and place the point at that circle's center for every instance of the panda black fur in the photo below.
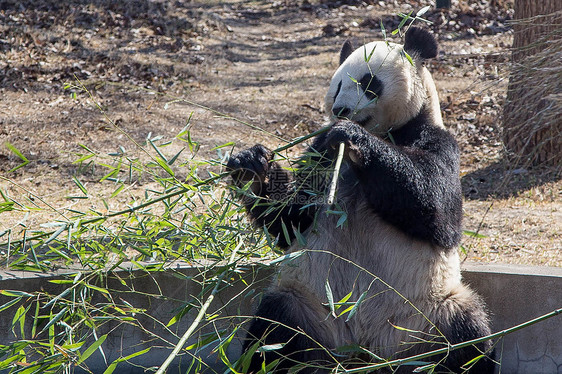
(399, 186)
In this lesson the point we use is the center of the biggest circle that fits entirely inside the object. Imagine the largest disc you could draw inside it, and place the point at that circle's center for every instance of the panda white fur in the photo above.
(399, 188)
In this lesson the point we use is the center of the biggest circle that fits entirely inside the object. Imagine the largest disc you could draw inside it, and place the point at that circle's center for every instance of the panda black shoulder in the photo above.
(420, 131)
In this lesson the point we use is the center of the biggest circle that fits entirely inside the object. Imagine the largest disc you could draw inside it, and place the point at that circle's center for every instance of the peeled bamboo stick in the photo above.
(334, 184)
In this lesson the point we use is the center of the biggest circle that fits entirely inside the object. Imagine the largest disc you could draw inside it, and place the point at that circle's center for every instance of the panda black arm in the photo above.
(412, 184)
(272, 200)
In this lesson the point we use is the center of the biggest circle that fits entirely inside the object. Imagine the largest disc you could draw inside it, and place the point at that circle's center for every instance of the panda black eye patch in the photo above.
(371, 85)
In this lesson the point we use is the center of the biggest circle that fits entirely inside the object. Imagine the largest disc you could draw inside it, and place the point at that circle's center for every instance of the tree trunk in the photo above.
(532, 126)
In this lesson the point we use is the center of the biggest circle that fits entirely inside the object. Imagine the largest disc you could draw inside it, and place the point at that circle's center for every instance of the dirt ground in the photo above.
(260, 63)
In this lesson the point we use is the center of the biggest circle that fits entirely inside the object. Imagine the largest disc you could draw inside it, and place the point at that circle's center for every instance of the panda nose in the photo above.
(341, 112)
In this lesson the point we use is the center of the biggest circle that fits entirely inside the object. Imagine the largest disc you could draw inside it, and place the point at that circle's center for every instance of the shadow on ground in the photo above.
(502, 180)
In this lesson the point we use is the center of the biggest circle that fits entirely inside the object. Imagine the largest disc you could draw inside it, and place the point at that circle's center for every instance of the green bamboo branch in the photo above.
(131, 209)
(202, 183)
(454, 347)
(35, 196)
(200, 315)
(301, 139)
(191, 329)
(179, 191)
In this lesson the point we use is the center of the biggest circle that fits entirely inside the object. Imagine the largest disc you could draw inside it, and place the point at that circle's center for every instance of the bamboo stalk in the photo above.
(301, 139)
(187, 334)
(334, 184)
(453, 347)
(199, 318)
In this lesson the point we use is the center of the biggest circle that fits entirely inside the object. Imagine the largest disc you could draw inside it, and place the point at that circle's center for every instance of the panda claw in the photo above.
(354, 156)
(252, 163)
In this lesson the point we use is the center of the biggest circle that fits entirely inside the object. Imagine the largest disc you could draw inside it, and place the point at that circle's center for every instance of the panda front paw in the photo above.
(250, 164)
(355, 138)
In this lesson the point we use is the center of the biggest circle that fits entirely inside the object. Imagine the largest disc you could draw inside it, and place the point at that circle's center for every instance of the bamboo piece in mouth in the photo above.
(334, 184)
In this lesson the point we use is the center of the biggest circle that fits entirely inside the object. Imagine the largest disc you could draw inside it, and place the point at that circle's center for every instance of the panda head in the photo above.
(379, 88)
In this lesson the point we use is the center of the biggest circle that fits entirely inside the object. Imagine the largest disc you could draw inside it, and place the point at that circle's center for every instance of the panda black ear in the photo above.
(346, 50)
(421, 42)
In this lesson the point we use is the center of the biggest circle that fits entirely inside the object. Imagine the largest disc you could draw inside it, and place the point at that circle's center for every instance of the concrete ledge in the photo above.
(514, 294)
(162, 294)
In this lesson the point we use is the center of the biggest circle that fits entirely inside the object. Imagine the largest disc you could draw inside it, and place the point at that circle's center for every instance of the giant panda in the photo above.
(388, 248)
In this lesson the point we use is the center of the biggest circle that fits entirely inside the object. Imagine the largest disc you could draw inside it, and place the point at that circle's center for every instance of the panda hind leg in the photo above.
(469, 320)
(297, 322)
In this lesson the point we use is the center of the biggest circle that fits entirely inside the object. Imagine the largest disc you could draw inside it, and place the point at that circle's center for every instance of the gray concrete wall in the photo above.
(514, 295)
(163, 294)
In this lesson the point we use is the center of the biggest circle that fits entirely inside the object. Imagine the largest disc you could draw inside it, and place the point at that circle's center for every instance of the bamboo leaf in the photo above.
(18, 316)
(405, 18)
(409, 58)
(111, 367)
(15, 293)
(6, 363)
(83, 158)
(118, 190)
(55, 234)
(300, 237)
(202, 343)
(91, 349)
(86, 148)
(102, 290)
(423, 10)
(229, 144)
(164, 164)
(404, 329)
(9, 304)
(80, 185)
(285, 232)
(247, 356)
(343, 301)
(353, 79)
(342, 219)
(14, 150)
(473, 361)
(356, 306)
(6, 206)
(157, 150)
(32, 369)
(368, 58)
(35, 320)
(473, 234)
(330, 297)
(55, 319)
(271, 347)
(113, 172)
(133, 355)
(288, 257)
(173, 159)
(270, 366)
(73, 347)
(56, 298)
(425, 367)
